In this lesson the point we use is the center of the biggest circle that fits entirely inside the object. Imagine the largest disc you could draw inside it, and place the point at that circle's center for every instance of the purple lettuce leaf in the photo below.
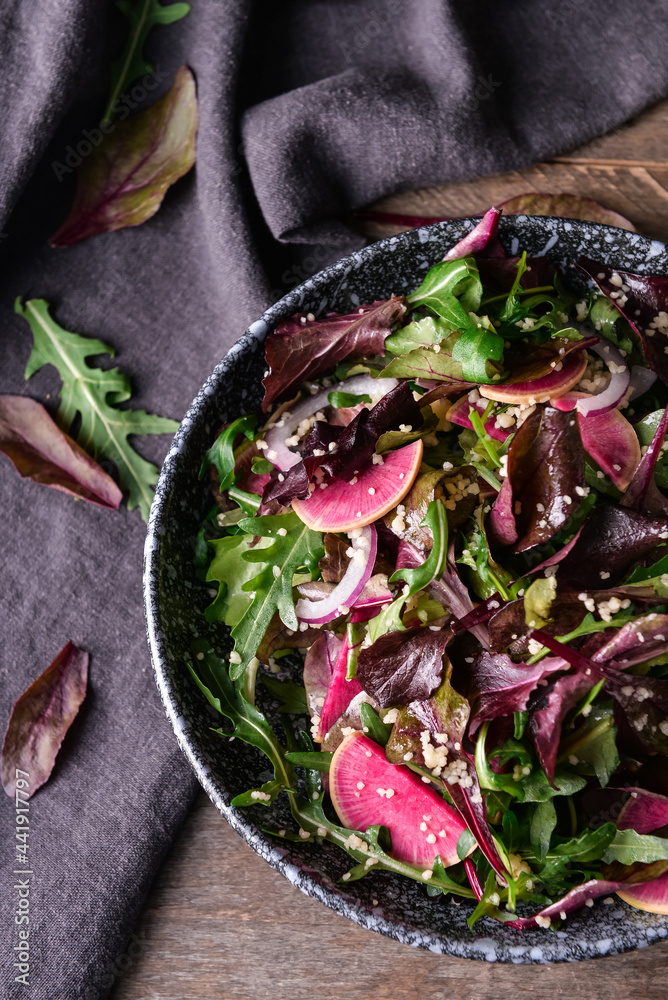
(501, 525)
(565, 206)
(284, 487)
(303, 348)
(481, 614)
(642, 492)
(549, 711)
(499, 273)
(278, 636)
(545, 469)
(357, 441)
(334, 563)
(643, 811)
(401, 667)
(123, 181)
(40, 451)
(645, 632)
(500, 687)
(613, 539)
(483, 236)
(40, 719)
(528, 363)
(508, 627)
(573, 900)
(640, 300)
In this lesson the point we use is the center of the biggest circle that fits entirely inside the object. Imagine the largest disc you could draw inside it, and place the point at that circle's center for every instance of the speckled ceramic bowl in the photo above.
(175, 601)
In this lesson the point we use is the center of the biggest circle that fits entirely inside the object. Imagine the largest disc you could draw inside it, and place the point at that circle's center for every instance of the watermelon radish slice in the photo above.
(336, 505)
(339, 694)
(459, 414)
(540, 389)
(609, 438)
(366, 790)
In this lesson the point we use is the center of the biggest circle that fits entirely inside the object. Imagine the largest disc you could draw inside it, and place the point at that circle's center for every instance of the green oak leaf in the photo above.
(93, 393)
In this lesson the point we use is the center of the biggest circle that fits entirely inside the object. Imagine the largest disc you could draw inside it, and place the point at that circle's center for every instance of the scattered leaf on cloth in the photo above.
(123, 181)
(567, 206)
(40, 451)
(87, 391)
(40, 718)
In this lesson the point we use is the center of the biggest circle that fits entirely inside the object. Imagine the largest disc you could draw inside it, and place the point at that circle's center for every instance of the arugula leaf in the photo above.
(452, 289)
(605, 317)
(123, 181)
(543, 822)
(464, 844)
(132, 63)
(291, 696)
(433, 567)
(249, 724)
(231, 572)
(292, 547)
(378, 731)
(262, 796)
(646, 429)
(319, 760)
(536, 787)
(221, 452)
(629, 847)
(343, 399)
(592, 748)
(589, 846)
(644, 573)
(90, 392)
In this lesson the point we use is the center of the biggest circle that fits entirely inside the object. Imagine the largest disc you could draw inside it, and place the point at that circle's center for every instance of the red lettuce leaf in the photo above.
(545, 466)
(643, 811)
(565, 206)
(402, 667)
(483, 236)
(501, 525)
(643, 632)
(642, 492)
(297, 351)
(549, 711)
(123, 181)
(319, 664)
(508, 627)
(528, 364)
(500, 687)
(499, 273)
(40, 719)
(640, 300)
(334, 563)
(613, 539)
(40, 451)
(573, 900)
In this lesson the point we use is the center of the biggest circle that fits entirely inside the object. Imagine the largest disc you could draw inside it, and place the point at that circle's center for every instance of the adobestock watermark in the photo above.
(23, 875)
(92, 137)
(370, 31)
(319, 256)
(120, 967)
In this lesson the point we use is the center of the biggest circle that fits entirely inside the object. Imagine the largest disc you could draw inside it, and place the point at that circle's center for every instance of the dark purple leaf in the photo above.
(301, 349)
(644, 632)
(640, 300)
(565, 206)
(530, 362)
(481, 614)
(401, 667)
(500, 687)
(573, 900)
(508, 627)
(545, 465)
(319, 664)
(278, 636)
(613, 539)
(501, 526)
(123, 180)
(40, 719)
(334, 563)
(498, 273)
(638, 495)
(549, 712)
(40, 451)
(357, 441)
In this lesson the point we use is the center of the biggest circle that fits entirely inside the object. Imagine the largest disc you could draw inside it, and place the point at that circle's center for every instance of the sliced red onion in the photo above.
(620, 377)
(278, 452)
(364, 543)
(642, 379)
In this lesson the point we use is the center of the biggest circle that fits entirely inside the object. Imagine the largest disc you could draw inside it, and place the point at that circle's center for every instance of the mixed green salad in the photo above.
(452, 507)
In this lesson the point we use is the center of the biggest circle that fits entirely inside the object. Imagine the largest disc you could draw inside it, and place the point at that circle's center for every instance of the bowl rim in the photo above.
(483, 948)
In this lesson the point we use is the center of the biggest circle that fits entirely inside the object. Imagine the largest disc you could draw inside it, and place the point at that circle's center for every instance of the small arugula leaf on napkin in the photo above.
(123, 181)
(39, 721)
(292, 546)
(90, 392)
(40, 451)
(132, 63)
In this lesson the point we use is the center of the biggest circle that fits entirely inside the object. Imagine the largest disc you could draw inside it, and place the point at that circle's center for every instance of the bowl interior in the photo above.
(175, 601)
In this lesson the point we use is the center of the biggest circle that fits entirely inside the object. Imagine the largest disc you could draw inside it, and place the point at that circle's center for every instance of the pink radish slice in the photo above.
(608, 438)
(459, 414)
(290, 420)
(540, 389)
(594, 406)
(364, 544)
(341, 506)
(339, 693)
(421, 824)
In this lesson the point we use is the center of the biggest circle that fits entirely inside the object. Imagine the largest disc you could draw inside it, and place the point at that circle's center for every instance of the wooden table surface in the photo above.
(219, 922)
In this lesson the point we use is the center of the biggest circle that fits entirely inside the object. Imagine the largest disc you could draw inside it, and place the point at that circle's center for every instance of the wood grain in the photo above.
(219, 922)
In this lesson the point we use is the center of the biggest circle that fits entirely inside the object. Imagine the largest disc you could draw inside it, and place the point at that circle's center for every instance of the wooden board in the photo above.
(219, 922)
